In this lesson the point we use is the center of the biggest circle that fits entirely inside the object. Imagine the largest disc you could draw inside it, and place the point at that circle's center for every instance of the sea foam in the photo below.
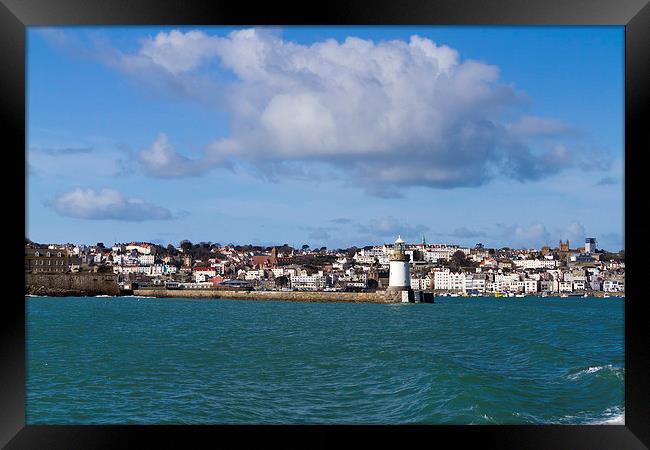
(594, 369)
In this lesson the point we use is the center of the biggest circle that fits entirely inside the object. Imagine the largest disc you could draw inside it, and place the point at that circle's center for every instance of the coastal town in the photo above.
(443, 269)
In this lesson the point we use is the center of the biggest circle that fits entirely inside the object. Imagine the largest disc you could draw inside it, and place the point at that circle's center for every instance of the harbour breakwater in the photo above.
(298, 296)
(71, 284)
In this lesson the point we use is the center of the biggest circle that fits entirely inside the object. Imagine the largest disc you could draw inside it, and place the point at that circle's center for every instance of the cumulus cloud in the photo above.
(575, 232)
(163, 161)
(388, 114)
(536, 235)
(106, 204)
(525, 236)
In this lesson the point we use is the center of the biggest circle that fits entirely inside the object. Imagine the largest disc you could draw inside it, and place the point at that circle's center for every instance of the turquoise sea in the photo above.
(461, 360)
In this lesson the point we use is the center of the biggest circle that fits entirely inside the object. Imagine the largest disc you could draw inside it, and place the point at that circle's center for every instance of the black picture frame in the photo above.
(16, 15)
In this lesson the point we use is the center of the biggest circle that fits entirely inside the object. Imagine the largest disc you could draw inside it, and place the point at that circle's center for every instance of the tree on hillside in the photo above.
(458, 258)
(305, 247)
(281, 281)
(186, 246)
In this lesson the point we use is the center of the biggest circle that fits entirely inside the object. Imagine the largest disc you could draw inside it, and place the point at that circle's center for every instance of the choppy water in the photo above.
(459, 361)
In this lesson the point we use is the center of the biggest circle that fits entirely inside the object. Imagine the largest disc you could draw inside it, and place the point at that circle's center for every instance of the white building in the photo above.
(420, 283)
(449, 281)
(474, 283)
(143, 248)
(314, 282)
(613, 286)
(531, 286)
(201, 274)
(254, 274)
(535, 263)
(146, 260)
(504, 283)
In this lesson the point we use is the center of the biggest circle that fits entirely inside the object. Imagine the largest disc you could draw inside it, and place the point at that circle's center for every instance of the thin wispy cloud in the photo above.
(607, 181)
(390, 227)
(106, 204)
(64, 151)
(341, 220)
(464, 232)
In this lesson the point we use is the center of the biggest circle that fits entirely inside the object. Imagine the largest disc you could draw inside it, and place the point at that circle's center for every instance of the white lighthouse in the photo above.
(399, 278)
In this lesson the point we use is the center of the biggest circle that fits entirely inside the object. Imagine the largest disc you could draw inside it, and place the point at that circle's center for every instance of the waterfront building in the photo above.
(613, 286)
(531, 286)
(565, 286)
(546, 285)
(445, 280)
(474, 283)
(399, 277)
(315, 282)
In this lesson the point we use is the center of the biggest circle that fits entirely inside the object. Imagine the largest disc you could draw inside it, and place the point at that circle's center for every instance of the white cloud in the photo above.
(162, 160)
(388, 114)
(106, 204)
(534, 235)
(179, 52)
(575, 232)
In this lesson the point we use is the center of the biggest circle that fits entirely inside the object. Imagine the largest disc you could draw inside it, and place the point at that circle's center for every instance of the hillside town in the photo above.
(439, 268)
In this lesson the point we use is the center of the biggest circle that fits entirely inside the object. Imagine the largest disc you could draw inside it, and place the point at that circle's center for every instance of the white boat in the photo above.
(454, 295)
(511, 294)
(520, 295)
(564, 296)
(585, 296)
(606, 296)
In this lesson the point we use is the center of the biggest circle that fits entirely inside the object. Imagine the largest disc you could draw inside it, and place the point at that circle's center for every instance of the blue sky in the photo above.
(326, 136)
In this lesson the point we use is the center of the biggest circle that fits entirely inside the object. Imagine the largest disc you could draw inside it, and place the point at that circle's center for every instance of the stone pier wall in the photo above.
(71, 284)
(299, 296)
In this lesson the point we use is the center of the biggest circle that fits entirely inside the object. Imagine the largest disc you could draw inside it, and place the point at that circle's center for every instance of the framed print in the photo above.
(361, 217)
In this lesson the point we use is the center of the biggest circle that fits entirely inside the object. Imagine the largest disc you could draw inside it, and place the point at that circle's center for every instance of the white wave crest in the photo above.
(611, 416)
(575, 376)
